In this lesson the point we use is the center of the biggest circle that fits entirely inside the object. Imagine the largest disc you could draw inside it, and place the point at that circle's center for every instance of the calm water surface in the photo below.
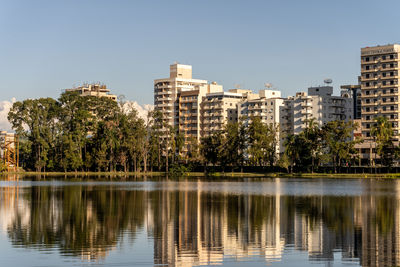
(251, 222)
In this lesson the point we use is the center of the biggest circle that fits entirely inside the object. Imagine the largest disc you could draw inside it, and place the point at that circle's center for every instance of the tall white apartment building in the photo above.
(333, 107)
(305, 107)
(318, 104)
(267, 107)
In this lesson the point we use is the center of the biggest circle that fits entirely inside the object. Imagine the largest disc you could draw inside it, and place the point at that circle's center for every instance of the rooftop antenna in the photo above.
(327, 81)
(268, 85)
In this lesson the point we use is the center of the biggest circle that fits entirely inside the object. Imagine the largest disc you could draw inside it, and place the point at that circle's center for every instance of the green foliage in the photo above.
(262, 142)
(383, 136)
(178, 170)
(338, 141)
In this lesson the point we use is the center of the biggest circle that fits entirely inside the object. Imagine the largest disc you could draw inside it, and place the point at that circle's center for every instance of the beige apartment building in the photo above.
(167, 91)
(179, 98)
(190, 112)
(220, 108)
(93, 89)
(379, 92)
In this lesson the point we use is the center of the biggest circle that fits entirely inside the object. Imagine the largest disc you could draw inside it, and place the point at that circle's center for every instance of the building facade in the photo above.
(179, 100)
(218, 109)
(379, 92)
(94, 89)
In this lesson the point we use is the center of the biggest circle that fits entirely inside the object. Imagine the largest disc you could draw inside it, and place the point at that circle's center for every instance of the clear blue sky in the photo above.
(46, 46)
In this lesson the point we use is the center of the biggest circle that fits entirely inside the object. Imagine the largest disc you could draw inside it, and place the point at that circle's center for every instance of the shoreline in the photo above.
(210, 175)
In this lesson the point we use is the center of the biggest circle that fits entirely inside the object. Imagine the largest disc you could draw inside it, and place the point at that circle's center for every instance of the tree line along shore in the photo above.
(90, 134)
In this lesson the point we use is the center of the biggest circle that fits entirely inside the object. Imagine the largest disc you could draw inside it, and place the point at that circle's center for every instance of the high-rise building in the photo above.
(267, 107)
(379, 91)
(93, 89)
(379, 86)
(179, 97)
(220, 108)
(190, 112)
(318, 104)
(354, 92)
(167, 90)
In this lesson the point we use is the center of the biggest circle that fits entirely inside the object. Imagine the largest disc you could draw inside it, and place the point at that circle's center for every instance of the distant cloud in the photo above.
(5, 107)
(142, 110)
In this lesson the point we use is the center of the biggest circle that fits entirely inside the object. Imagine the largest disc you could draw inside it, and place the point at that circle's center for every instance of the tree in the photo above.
(382, 133)
(298, 151)
(261, 142)
(313, 138)
(36, 121)
(338, 141)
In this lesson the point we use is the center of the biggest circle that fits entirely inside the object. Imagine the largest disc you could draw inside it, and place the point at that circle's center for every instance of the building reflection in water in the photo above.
(195, 227)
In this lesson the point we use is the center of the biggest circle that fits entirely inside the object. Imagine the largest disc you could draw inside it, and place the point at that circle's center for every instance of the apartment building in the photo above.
(304, 108)
(220, 108)
(332, 107)
(179, 98)
(167, 91)
(318, 104)
(93, 89)
(354, 92)
(190, 112)
(379, 92)
(267, 106)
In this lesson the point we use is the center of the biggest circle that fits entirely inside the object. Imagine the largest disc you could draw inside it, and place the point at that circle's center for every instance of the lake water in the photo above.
(197, 222)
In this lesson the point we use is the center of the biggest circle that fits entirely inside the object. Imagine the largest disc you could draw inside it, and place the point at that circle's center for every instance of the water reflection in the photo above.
(202, 226)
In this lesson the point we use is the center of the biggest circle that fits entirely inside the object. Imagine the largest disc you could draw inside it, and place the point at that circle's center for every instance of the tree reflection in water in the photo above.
(194, 227)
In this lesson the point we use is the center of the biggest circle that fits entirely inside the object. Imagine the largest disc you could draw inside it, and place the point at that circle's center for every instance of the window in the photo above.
(367, 109)
(367, 67)
(367, 84)
(383, 66)
(367, 59)
(383, 57)
(368, 118)
(367, 92)
(384, 83)
(384, 74)
(391, 73)
(384, 99)
(367, 100)
(383, 91)
(391, 56)
(368, 125)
